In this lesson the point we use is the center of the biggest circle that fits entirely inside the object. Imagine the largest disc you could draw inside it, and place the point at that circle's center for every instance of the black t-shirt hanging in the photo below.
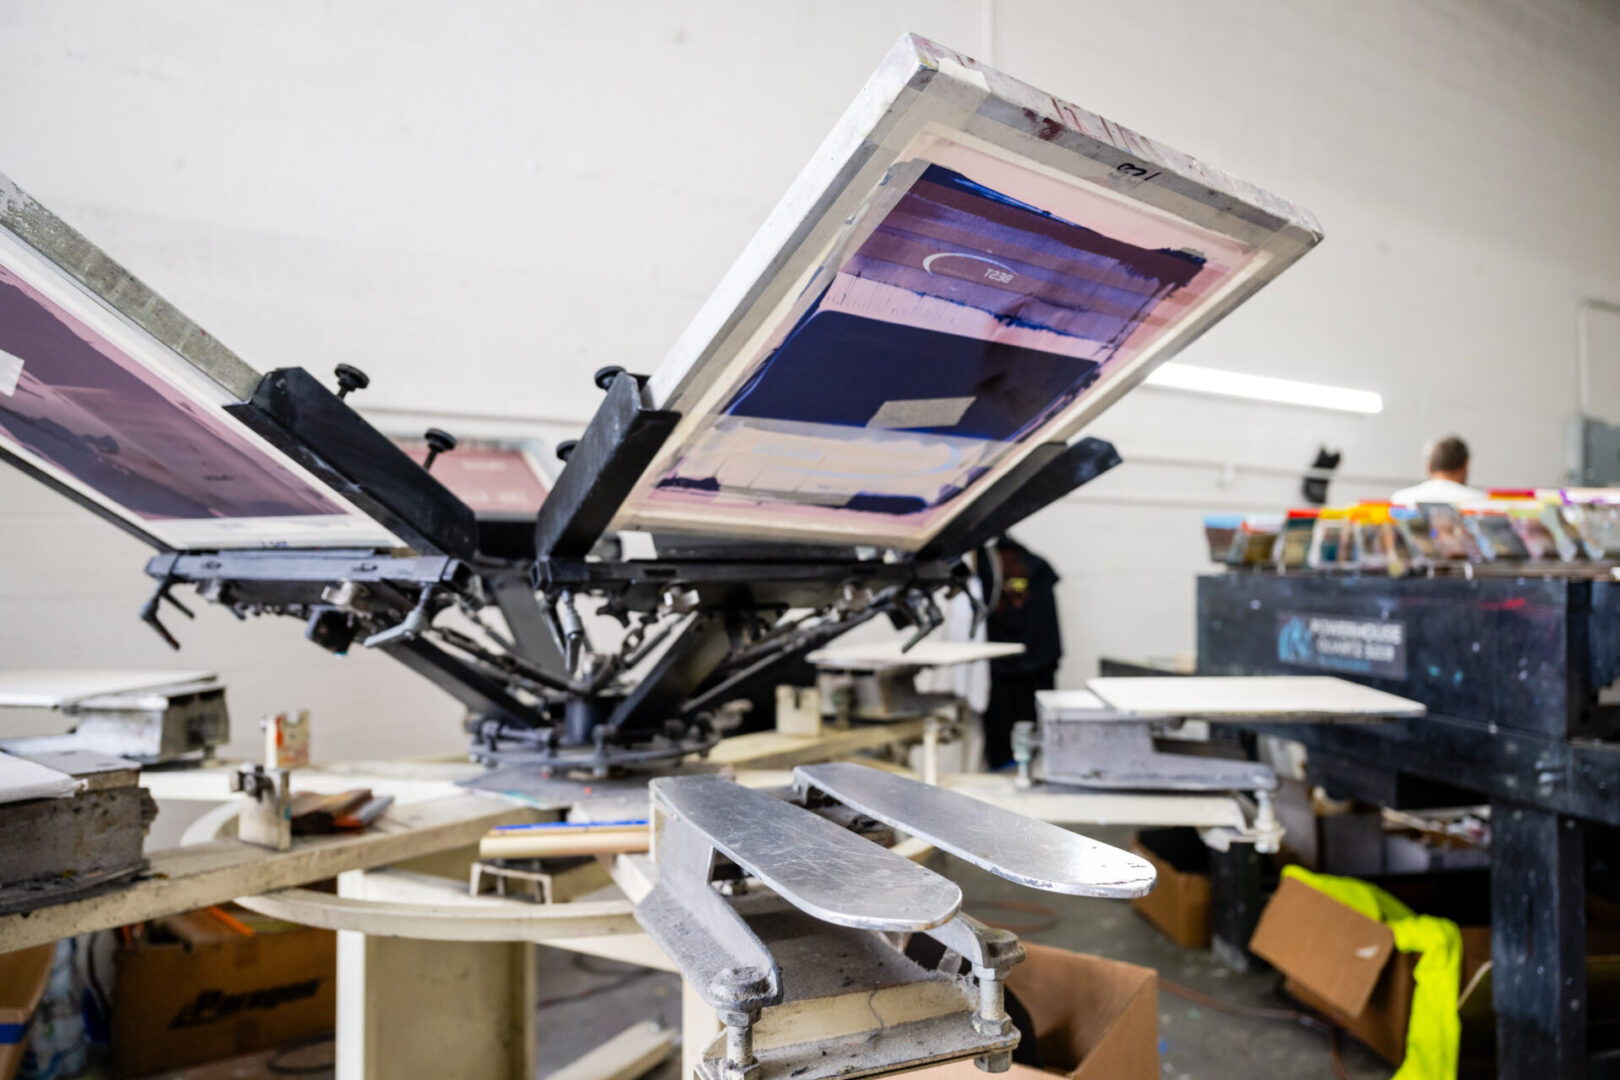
(1025, 611)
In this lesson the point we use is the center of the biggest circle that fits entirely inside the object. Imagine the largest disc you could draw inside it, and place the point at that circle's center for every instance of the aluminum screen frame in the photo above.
(924, 106)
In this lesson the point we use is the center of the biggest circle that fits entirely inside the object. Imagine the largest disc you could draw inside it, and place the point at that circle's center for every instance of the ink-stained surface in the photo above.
(967, 269)
(84, 406)
(129, 425)
(963, 324)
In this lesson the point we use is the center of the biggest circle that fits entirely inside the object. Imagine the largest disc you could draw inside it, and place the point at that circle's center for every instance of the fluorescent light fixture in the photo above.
(1202, 380)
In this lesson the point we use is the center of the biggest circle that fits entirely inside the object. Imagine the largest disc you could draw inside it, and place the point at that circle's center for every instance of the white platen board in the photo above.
(57, 688)
(1311, 698)
(967, 269)
(21, 779)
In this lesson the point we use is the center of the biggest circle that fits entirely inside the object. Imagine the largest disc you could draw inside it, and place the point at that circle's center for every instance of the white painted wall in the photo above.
(482, 202)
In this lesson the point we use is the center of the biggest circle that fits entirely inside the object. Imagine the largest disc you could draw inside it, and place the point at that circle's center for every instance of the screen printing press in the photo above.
(897, 370)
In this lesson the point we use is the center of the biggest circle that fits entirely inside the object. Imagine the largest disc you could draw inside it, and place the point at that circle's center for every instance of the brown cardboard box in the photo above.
(23, 975)
(1179, 902)
(1344, 965)
(176, 1004)
(1094, 1019)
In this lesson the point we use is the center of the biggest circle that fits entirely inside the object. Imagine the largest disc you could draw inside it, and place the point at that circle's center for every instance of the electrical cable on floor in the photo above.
(1044, 917)
(582, 963)
(1259, 1012)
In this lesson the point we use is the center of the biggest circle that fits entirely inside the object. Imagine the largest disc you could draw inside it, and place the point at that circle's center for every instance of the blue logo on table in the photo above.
(1340, 643)
(1294, 642)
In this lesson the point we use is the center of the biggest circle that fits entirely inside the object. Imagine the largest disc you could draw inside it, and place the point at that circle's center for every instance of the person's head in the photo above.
(1448, 459)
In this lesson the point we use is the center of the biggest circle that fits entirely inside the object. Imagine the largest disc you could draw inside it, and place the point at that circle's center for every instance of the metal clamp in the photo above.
(716, 951)
(1106, 749)
(993, 954)
(265, 819)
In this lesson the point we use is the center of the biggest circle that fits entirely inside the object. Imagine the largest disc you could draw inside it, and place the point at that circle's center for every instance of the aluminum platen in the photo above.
(821, 869)
(1011, 845)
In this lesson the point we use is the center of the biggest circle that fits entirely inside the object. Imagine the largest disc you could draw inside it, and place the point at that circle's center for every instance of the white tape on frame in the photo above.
(10, 372)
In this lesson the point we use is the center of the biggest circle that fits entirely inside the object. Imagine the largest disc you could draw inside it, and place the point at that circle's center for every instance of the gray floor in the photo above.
(1194, 1042)
(584, 1001)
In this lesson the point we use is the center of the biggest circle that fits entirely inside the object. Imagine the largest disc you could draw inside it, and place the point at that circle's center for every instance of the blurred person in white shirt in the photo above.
(1448, 477)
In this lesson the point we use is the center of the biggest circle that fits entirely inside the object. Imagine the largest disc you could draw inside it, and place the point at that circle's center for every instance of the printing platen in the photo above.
(497, 479)
(104, 408)
(968, 269)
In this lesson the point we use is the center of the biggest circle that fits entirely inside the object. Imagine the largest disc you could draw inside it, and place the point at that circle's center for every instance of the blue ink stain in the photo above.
(897, 505)
(709, 484)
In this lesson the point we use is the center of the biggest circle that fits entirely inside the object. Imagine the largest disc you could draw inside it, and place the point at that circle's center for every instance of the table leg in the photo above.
(1538, 942)
(1234, 905)
(433, 1008)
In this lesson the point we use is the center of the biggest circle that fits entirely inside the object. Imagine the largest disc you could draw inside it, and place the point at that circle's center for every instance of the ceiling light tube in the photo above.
(1202, 380)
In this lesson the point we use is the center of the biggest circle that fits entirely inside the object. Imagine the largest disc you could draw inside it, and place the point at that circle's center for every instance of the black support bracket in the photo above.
(304, 420)
(621, 441)
(1050, 472)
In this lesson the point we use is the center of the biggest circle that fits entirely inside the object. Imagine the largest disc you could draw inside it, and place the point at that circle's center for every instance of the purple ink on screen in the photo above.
(960, 295)
(93, 412)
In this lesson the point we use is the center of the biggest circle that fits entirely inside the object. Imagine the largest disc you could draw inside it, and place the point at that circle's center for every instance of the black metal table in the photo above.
(1512, 670)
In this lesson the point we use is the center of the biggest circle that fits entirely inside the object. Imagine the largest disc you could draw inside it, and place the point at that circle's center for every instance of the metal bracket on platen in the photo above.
(802, 967)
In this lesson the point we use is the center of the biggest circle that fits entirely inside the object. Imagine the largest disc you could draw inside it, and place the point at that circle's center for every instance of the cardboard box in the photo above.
(23, 975)
(1179, 902)
(1345, 966)
(176, 1005)
(1094, 1019)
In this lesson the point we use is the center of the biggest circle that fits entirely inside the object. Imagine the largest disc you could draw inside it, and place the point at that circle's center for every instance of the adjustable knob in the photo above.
(604, 376)
(565, 448)
(439, 442)
(351, 378)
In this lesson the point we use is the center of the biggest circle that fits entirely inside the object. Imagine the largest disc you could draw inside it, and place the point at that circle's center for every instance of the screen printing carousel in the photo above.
(897, 370)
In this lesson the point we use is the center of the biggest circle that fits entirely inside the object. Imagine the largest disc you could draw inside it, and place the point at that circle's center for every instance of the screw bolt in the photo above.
(998, 1062)
(439, 442)
(991, 1019)
(350, 378)
(740, 1062)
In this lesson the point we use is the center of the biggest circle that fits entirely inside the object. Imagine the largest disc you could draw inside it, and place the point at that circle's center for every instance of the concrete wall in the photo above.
(480, 203)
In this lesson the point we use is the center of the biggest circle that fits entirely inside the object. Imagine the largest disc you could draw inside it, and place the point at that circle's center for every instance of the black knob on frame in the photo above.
(350, 378)
(565, 448)
(439, 442)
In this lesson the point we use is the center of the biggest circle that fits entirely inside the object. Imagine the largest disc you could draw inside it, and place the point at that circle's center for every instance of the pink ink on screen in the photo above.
(83, 405)
(495, 481)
